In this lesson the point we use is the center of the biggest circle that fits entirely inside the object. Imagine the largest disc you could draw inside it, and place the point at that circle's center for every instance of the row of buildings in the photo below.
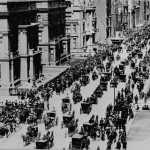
(39, 33)
(121, 15)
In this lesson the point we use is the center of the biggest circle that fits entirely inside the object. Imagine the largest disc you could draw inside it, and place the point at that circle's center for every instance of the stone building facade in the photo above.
(81, 26)
(19, 54)
(32, 35)
(121, 15)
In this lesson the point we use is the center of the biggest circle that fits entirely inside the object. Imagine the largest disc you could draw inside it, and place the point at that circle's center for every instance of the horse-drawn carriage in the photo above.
(76, 87)
(100, 67)
(94, 99)
(94, 75)
(127, 90)
(86, 107)
(122, 77)
(108, 66)
(129, 49)
(79, 142)
(32, 119)
(46, 142)
(120, 49)
(108, 75)
(50, 119)
(66, 105)
(103, 85)
(132, 64)
(121, 68)
(42, 144)
(85, 80)
(77, 97)
(3, 129)
(140, 55)
(58, 88)
(111, 58)
(72, 127)
(129, 57)
(114, 83)
(87, 128)
(109, 110)
(129, 98)
(98, 92)
(118, 57)
(31, 135)
(67, 119)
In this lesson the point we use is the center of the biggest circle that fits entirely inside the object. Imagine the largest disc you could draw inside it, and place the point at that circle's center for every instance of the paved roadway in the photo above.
(60, 141)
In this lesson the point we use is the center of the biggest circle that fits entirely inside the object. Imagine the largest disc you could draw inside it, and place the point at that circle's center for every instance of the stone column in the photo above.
(24, 71)
(23, 54)
(5, 73)
(54, 53)
(12, 71)
(22, 42)
(31, 69)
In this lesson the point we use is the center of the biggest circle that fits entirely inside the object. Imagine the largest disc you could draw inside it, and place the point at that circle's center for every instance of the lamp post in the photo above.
(114, 84)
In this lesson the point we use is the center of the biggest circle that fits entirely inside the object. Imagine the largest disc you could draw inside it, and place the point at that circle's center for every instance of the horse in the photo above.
(26, 139)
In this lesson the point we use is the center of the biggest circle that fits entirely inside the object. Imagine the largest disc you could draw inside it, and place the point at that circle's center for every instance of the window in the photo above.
(64, 48)
(83, 15)
(40, 36)
(1, 36)
(93, 14)
(52, 53)
(68, 3)
(83, 41)
(68, 15)
(74, 28)
(83, 26)
(39, 18)
(74, 42)
(67, 28)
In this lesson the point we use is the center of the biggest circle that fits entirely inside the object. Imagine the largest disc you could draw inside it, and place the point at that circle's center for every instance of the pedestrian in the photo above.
(124, 145)
(47, 105)
(145, 98)
(103, 135)
(118, 95)
(136, 99)
(118, 145)
(132, 86)
(101, 123)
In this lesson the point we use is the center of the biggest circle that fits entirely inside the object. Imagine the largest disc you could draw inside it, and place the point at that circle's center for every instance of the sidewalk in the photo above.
(4, 139)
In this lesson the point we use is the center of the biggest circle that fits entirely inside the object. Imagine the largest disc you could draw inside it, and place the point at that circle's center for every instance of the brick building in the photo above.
(53, 41)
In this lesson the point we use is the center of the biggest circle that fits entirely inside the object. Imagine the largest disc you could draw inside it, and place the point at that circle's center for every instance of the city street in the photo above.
(61, 140)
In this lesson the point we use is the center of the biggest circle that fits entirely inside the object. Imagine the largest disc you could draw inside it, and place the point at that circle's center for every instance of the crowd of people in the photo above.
(113, 126)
